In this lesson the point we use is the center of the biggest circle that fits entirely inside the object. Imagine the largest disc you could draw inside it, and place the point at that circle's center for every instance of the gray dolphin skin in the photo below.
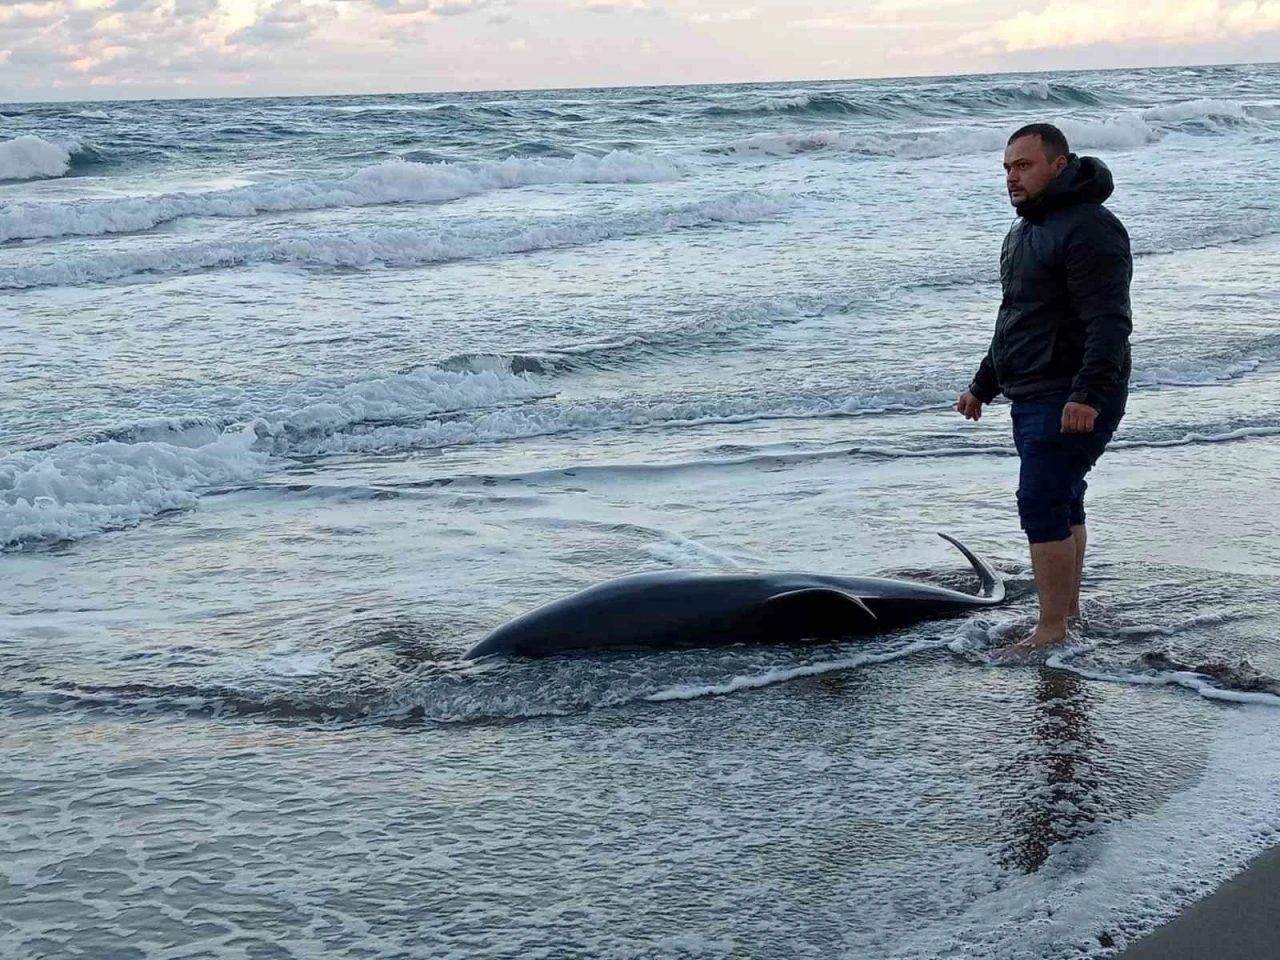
(657, 611)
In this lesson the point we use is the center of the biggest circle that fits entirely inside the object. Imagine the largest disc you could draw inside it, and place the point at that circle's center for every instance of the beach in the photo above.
(304, 396)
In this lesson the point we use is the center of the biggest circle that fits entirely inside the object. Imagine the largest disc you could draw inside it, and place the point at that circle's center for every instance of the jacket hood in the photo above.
(1082, 180)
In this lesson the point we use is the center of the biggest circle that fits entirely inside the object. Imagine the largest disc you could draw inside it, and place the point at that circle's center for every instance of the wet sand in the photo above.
(1238, 921)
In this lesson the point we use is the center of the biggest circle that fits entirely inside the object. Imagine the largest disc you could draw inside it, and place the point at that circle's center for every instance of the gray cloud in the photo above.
(632, 6)
(456, 8)
(287, 21)
(440, 8)
(126, 40)
(29, 15)
(39, 52)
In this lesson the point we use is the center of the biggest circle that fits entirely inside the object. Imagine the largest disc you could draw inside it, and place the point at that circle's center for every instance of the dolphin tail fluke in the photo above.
(992, 584)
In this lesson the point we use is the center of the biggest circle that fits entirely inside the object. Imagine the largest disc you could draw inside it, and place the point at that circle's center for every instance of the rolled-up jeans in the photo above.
(1051, 482)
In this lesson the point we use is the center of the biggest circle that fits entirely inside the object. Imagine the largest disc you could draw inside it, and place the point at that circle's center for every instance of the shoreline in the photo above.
(1240, 920)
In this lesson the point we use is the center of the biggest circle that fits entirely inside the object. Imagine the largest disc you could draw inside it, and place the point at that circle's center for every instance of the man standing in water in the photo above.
(1060, 353)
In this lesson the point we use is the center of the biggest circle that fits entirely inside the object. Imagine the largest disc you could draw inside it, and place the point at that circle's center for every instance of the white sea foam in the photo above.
(1189, 372)
(390, 247)
(1186, 679)
(537, 420)
(1203, 109)
(1193, 438)
(78, 489)
(776, 675)
(320, 408)
(1142, 872)
(30, 158)
(392, 182)
(1117, 133)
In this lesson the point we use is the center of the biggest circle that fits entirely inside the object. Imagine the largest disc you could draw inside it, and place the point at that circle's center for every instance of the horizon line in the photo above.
(660, 86)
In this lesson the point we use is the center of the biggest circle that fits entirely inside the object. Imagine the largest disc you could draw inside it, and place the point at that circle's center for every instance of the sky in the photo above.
(111, 49)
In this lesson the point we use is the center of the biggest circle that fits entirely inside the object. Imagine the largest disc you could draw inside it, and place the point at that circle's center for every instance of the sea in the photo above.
(300, 397)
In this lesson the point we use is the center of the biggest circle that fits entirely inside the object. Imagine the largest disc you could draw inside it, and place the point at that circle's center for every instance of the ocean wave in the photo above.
(612, 353)
(1169, 437)
(390, 247)
(801, 104)
(1244, 226)
(76, 490)
(1205, 371)
(385, 183)
(31, 158)
(1109, 134)
(1034, 93)
(773, 455)
(532, 420)
(81, 488)
(903, 105)
(1128, 131)
(1197, 110)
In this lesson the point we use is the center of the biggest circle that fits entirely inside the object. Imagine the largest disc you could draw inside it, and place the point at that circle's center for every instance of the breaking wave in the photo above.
(385, 183)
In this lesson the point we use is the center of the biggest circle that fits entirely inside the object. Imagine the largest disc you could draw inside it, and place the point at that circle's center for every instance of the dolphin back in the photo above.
(661, 610)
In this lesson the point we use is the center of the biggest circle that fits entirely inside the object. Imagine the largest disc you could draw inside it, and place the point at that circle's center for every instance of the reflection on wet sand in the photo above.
(1060, 799)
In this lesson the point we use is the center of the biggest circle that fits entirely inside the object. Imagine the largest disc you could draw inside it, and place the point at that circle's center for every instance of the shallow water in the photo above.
(304, 396)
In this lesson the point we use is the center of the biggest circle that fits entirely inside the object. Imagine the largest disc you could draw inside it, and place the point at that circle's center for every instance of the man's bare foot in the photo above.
(1041, 639)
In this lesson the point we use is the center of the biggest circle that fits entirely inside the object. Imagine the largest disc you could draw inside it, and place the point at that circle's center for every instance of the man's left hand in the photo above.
(1078, 418)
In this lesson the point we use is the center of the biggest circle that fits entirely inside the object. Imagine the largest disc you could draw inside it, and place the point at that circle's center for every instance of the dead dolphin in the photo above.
(668, 610)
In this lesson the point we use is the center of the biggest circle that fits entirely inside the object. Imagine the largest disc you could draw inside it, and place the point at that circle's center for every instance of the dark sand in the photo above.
(1238, 921)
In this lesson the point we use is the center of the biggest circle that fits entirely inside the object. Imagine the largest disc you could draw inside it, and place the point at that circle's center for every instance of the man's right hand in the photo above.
(970, 406)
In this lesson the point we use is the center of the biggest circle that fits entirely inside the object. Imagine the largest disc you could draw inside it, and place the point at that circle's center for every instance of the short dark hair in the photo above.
(1055, 142)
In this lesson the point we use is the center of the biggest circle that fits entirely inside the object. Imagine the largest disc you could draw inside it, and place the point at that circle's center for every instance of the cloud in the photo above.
(889, 7)
(611, 6)
(40, 51)
(13, 15)
(458, 8)
(116, 41)
(728, 16)
(870, 23)
(1080, 23)
(433, 8)
(285, 21)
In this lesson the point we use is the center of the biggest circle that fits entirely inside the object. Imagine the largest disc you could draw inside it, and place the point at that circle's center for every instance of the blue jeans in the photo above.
(1051, 484)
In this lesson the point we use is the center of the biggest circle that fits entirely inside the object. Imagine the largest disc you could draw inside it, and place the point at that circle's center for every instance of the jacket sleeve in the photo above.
(985, 386)
(1099, 268)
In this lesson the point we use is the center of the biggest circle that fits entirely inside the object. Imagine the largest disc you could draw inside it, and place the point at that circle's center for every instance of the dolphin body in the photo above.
(658, 611)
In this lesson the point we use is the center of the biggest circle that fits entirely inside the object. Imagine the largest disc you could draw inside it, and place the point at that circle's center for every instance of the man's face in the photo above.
(1028, 169)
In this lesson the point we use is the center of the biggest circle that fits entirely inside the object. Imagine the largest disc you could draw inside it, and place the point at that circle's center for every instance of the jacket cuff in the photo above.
(1086, 397)
(982, 395)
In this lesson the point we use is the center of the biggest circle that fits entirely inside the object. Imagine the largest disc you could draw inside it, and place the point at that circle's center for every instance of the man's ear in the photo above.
(1060, 163)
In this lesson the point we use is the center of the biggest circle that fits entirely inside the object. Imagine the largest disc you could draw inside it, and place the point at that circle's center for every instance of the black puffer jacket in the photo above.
(1064, 322)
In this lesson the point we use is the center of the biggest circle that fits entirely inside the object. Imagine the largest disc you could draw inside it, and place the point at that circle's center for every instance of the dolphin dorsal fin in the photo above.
(992, 582)
(854, 602)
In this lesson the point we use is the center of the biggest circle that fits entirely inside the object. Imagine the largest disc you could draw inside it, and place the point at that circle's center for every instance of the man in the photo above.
(1060, 353)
